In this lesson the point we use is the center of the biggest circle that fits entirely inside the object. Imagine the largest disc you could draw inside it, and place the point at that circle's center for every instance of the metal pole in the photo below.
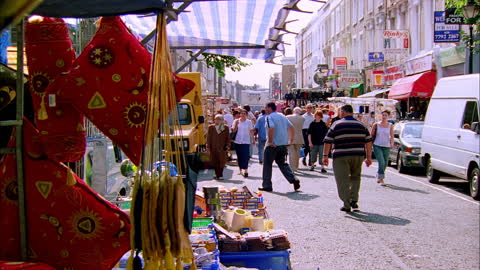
(19, 144)
(192, 58)
(470, 51)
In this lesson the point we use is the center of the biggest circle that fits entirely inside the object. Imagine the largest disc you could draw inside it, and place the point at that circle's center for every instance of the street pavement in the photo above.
(407, 224)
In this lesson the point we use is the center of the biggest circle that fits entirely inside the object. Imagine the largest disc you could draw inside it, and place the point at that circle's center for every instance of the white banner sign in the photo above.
(349, 78)
(420, 64)
(396, 42)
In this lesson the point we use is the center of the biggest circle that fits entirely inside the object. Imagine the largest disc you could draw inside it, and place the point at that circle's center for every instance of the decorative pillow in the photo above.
(69, 225)
(109, 82)
(4, 265)
(49, 52)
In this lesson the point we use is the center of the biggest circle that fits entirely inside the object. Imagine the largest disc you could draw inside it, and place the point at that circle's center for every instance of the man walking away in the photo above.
(279, 130)
(261, 135)
(294, 149)
(351, 143)
(308, 119)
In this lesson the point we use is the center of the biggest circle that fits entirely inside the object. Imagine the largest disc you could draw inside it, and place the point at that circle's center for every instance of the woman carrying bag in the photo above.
(243, 128)
(382, 134)
(218, 140)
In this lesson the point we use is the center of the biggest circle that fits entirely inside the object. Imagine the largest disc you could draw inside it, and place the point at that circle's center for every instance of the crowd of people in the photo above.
(309, 135)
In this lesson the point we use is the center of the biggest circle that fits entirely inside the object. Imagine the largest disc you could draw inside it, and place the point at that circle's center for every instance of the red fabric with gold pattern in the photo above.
(182, 86)
(69, 225)
(24, 265)
(49, 52)
(108, 83)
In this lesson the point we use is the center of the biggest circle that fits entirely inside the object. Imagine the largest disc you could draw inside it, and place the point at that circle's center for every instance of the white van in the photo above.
(451, 132)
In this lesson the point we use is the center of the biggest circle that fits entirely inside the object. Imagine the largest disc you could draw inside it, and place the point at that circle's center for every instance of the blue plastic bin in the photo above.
(263, 260)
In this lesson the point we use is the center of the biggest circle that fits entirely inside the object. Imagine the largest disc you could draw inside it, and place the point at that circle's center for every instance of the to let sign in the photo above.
(444, 32)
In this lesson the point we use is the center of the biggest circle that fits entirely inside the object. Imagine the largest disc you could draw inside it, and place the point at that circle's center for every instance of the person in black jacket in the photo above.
(316, 133)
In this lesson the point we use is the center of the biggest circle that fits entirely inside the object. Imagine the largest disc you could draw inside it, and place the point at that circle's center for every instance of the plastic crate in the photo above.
(263, 260)
(202, 222)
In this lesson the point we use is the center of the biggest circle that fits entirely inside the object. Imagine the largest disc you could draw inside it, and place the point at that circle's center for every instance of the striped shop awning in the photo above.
(243, 28)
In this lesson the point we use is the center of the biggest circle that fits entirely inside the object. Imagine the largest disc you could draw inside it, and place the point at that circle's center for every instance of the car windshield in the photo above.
(184, 115)
(412, 131)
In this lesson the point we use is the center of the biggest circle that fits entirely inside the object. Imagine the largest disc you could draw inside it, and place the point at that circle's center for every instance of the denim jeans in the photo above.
(381, 154)
(276, 154)
(261, 148)
(243, 155)
(316, 152)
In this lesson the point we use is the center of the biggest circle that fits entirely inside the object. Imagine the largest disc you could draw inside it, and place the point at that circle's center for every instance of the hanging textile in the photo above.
(158, 205)
(49, 52)
(69, 225)
(108, 83)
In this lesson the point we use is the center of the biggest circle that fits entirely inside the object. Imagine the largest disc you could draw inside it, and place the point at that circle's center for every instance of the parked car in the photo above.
(451, 133)
(406, 147)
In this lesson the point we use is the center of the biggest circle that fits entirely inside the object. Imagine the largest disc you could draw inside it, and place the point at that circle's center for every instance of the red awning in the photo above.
(419, 85)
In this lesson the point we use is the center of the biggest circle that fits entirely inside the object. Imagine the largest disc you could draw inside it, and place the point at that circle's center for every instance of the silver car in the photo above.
(406, 147)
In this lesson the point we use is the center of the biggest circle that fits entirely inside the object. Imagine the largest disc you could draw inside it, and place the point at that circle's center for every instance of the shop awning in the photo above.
(374, 93)
(356, 90)
(419, 85)
(245, 28)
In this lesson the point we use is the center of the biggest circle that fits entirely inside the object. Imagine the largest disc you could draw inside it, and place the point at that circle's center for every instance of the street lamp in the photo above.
(470, 10)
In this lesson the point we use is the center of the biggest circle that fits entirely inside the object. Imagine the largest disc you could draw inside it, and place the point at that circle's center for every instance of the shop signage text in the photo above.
(444, 32)
(349, 78)
(396, 42)
(340, 64)
(420, 64)
(392, 74)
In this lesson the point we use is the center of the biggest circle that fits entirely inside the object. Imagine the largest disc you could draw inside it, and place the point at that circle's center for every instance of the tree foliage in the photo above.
(221, 62)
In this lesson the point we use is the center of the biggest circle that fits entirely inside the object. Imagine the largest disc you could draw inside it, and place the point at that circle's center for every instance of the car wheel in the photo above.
(401, 168)
(432, 175)
(474, 182)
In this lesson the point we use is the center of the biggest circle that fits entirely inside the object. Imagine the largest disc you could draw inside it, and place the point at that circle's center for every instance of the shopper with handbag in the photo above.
(382, 134)
(243, 130)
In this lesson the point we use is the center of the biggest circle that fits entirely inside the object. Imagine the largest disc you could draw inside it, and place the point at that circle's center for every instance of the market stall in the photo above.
(68, 87)
(362, 107)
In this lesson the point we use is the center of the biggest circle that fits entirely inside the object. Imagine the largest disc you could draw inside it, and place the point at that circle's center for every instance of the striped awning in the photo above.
(244, 28)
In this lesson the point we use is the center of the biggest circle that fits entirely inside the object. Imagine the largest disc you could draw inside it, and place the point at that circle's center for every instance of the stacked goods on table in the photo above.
(240, 198)
(246, 237)
(204, 244)
(272, 240)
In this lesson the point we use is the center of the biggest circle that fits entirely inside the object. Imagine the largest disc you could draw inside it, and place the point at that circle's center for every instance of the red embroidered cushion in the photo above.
(49, 52)
(69, 225)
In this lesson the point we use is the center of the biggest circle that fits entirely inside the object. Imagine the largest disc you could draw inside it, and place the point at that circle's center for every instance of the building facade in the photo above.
(358, 31)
